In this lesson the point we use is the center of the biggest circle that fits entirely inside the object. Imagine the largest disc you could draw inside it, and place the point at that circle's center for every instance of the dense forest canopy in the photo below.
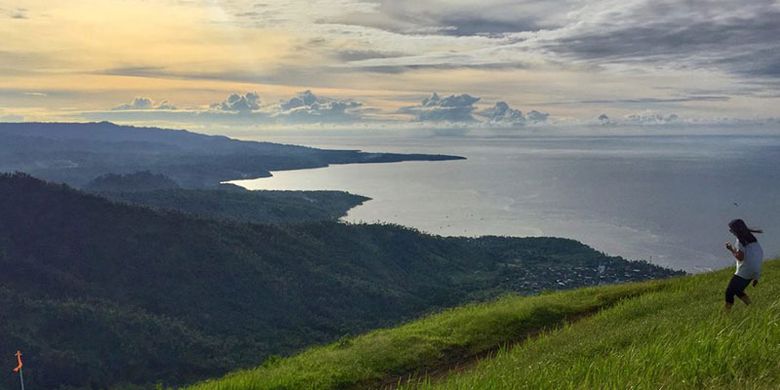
(246, 206)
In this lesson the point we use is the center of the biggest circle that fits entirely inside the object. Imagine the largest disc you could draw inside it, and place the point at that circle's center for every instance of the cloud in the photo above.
(11, 118)
(145, 103)
(502, 114)
(241, 108)
(236, 102)
(18, 13)
(722, 35)
(737, 37)
(307, 107)
(651, 118)
(537, 117)
(648, 100)
(453, 108)
(457, 17)
(359, 55)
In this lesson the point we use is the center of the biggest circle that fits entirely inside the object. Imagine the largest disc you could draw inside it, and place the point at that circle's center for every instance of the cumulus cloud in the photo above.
(537, 117)
(244, 109)
(308, 107)
(236, 102)
(502, 114)
(453, 108)
(651, 118)
(145, 103)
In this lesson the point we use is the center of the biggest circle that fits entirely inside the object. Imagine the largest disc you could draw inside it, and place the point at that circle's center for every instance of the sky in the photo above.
(374, 63)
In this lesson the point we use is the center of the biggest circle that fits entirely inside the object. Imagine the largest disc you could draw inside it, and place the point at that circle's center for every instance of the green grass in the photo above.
(463, 331)
(660, 334)
(674, 338)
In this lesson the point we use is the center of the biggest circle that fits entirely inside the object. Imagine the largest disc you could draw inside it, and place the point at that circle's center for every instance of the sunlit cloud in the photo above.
(374, 60)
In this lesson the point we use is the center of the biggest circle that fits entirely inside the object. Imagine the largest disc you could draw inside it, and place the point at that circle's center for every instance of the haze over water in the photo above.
(665, 199)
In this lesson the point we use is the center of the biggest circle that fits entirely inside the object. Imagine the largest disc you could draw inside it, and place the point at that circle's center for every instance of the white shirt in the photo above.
(750, 266)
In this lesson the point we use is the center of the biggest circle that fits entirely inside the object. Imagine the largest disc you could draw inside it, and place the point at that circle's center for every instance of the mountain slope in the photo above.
(247, 206)
(658, 334)
(141, 296)
(76, 153)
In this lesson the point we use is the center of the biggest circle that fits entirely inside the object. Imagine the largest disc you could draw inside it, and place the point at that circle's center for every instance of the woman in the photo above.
(749, 256)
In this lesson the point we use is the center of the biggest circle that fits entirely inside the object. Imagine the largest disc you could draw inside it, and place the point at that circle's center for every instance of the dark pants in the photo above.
(736, 287)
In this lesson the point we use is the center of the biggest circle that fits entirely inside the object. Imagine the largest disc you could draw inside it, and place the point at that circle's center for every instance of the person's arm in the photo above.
(738, 254)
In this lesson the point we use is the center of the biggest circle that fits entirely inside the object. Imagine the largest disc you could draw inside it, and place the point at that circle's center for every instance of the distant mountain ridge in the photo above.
(76, 153)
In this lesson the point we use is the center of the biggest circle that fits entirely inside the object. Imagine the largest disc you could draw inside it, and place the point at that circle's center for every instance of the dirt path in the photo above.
(460, 361)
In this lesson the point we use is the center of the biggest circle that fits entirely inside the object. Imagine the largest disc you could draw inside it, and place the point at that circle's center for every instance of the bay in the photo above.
(664, 199)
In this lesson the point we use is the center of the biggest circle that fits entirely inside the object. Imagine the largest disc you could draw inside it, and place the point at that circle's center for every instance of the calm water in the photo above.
(662, 199)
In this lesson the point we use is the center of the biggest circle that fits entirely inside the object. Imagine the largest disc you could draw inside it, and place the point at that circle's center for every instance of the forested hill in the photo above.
(268, 207)
(76, 153)
(97, 293)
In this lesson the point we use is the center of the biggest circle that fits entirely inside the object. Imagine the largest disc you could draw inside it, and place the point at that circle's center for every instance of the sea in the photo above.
(666, 199)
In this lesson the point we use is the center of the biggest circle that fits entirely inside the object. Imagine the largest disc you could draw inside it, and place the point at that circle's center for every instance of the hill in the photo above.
(242, 205)
(100, 294)
(668, 333)
(131, 182)
(76, 153)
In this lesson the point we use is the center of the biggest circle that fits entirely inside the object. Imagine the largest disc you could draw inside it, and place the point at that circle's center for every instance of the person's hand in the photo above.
(755, 282)
(729, 246)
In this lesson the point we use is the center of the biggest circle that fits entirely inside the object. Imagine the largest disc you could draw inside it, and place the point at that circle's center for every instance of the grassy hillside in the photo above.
(658, 334)
(98, 293)
(676, 338)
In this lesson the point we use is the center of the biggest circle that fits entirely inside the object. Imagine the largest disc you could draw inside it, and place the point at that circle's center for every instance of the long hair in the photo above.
(743, 233)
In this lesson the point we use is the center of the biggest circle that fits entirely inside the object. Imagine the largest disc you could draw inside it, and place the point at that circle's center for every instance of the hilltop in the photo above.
(658, 334)
(101, 294)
